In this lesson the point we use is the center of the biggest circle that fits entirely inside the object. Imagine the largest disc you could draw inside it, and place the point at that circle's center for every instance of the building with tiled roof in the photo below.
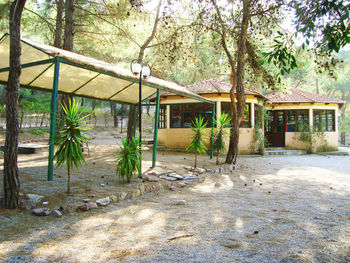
(177, 113)
(288, 115)
(295, 111)
(300, 96)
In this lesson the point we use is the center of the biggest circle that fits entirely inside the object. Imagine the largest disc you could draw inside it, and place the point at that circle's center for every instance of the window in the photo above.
(245, 123)
(324, 120)
(297, 120)
(162, 117)
(182, 116)
(258, 116)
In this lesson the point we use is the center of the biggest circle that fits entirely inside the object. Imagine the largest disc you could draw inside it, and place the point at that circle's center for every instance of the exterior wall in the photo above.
(180, 138)
(291, 138)
(330, 140)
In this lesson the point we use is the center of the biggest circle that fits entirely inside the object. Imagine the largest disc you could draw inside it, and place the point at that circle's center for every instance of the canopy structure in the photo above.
(49, 68)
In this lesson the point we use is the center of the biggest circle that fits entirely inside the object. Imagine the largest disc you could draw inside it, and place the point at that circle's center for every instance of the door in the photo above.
(275, 128)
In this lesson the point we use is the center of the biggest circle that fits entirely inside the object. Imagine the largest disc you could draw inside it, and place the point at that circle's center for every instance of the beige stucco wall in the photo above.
(329, 139)
(180, 138)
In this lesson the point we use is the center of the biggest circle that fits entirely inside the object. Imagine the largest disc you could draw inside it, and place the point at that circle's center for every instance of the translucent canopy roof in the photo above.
(82, 76)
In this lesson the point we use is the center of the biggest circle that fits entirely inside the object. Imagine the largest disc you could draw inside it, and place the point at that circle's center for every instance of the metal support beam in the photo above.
(53, 120)
(212, 133)
(156, 121)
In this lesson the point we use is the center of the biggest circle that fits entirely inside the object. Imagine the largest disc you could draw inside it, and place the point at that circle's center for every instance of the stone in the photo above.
(168, 178)
(182, 184)
(142, 189)
(148, 188)
(180, 202)
(34, 197)
(173, 188)
(199, 170)
(123, 196)
(150, 178)
(190, 176)
(155, 173)
(217, 185)
(128, 195)
(41, 211)
(102, 185)
(68, 210)
(56, 213)
(136, 193)
(103, 201)
(87, 206)
(27, 204)
(45, 203)
(92, 196)
(113, 198)
(177, 176)
(86, 200)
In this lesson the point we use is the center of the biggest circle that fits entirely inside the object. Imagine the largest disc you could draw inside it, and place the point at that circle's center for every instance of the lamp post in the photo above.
(143, 71)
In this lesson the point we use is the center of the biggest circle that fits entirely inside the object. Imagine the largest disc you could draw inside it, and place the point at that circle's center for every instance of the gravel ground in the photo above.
(273, 209)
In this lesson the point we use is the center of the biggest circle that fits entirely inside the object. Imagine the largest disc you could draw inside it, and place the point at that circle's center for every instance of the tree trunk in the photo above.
(238, 86)
(217, 158)
(195, 160)
(59, 23)
(131, 122)
(114, 114)
(67, 45)
(140, 59)
(11, 181)
(68, 180)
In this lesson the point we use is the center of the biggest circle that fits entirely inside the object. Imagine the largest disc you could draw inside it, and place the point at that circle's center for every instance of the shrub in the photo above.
(71, 138)
(197, 146)
(128, 159)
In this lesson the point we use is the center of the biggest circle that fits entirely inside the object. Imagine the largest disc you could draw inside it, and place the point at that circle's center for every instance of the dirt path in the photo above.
(274, 209)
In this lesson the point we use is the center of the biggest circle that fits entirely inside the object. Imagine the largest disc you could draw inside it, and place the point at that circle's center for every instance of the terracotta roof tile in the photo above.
(298, 96)
(212, 86)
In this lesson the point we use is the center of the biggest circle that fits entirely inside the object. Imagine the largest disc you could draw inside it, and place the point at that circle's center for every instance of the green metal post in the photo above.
(212, 134)
(134, 126)
(156, 121)
(53, 120)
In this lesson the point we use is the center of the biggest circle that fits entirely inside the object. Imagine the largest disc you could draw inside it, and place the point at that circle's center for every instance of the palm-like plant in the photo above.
(128, 159)
(219, 142)
(197, 145)
(71, 138)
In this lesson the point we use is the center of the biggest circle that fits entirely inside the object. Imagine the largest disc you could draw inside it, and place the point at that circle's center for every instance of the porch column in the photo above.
(252, 114)
(167, 115)
(156, 124)
(53, 120)
(311, 118)
(218, 111)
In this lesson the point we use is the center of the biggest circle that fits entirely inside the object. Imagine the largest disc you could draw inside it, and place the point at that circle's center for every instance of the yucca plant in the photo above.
(197, 144)
(219, 142)
(128, 159)
(71, 138)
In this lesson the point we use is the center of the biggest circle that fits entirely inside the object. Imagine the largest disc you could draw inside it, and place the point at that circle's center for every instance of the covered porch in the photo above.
(59, 71)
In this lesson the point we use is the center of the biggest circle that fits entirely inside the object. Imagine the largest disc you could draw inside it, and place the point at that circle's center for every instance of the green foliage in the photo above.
(197, 145)
(219, 142)
(71, 138)
(128, 159)
(325, 22)
(312, 138)
(39, 131)
(281, 55)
